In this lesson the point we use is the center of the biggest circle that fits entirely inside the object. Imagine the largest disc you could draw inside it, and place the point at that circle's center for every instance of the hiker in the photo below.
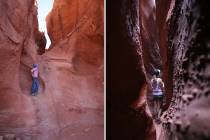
(157, 92)
(35, 82)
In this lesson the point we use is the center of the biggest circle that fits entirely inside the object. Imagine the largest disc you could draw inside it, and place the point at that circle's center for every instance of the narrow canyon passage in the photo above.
(172, 36)
(69, 104)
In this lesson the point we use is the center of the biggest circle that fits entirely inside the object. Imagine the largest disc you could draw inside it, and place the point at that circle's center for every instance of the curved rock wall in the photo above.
(17, 49)
(182, 28)
(72, 70)
(125, 75)
(189, 39)
(69, 17)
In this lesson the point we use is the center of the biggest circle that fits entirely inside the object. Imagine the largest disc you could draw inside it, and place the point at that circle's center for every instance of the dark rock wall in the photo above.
(125, 72)
(189, 42)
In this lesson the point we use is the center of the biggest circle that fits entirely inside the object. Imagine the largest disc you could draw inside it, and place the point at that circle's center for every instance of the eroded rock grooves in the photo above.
(189, 40)
(70, 100)
(173, 36)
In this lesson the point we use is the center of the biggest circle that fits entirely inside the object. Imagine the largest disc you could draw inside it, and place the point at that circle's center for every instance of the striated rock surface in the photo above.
(70, 100)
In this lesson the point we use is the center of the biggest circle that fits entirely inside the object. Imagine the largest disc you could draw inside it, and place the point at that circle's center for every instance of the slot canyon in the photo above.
(70, 101)
(173, 36)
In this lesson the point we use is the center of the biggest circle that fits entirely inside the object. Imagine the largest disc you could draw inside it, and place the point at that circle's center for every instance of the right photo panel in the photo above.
(157, 70)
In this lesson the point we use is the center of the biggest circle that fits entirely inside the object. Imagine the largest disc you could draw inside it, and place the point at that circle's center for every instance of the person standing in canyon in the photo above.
(157, 86)
(35, 80)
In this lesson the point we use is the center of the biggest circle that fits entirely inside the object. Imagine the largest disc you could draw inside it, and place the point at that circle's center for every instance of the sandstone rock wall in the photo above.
(182, 38)
(17, 49)
(73, 69)
(189, 42)
(125, 76)
(80, 41)
(69, 104)
(69, 17)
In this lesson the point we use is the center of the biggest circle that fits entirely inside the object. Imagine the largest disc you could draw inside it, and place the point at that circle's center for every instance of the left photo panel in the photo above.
(52, 70)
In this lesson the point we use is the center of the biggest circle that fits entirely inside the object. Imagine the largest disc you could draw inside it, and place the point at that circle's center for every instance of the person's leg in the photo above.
(158, 108)
(37, 85)
(157, 119)
(160, 105)
(155, 108)
(33, 87)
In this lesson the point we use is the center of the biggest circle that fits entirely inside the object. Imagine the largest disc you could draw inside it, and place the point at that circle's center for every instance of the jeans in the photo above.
(35, 85)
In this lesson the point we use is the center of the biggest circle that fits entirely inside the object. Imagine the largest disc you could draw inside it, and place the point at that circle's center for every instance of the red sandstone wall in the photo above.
(17, 49)
(70, 99)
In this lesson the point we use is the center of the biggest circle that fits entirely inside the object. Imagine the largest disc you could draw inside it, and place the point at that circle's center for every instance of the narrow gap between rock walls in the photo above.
(44, 7)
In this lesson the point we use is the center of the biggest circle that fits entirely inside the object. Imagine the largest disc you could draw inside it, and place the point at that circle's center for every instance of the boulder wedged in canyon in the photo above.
(70, 100)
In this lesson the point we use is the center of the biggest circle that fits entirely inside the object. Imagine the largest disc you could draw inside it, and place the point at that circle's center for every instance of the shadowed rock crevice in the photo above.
(41, 42)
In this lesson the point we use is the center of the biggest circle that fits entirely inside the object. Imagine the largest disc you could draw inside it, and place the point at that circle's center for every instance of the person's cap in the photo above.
(35, 65)
(157, 72)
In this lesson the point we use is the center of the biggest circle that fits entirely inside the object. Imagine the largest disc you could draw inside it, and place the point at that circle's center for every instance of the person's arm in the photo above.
(151, 82)
(163, 89)
(33, 69)
(163, 86)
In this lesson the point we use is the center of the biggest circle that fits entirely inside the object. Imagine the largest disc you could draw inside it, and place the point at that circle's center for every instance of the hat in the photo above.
(35, 65)
(157, 72)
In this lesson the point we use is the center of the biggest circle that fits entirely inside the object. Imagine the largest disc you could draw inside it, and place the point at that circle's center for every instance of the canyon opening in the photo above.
(44, 7)
(69, 103)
